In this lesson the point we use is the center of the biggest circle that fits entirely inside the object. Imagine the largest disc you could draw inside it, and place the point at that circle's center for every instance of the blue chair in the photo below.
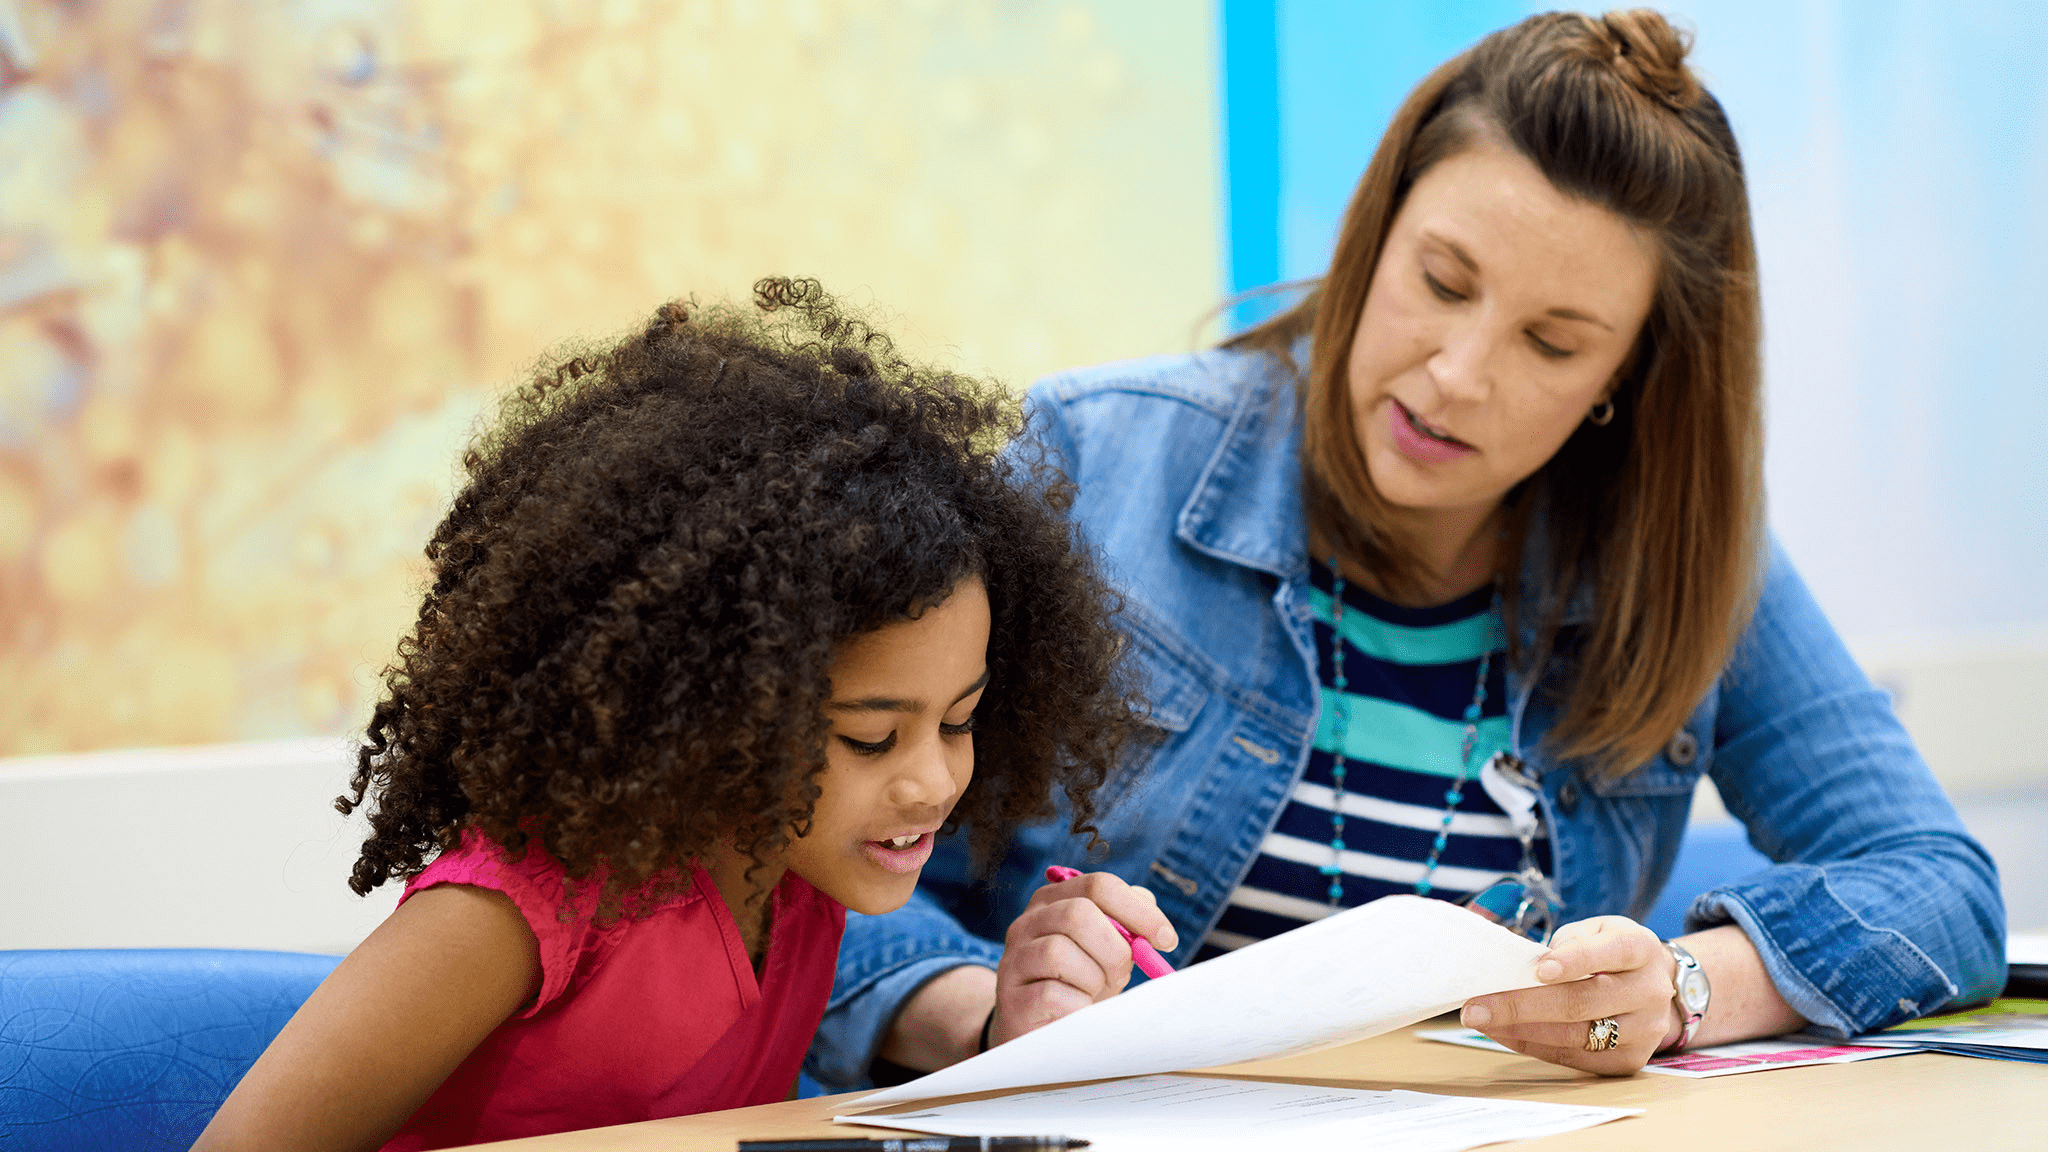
(1714, 852)
(135, 1049)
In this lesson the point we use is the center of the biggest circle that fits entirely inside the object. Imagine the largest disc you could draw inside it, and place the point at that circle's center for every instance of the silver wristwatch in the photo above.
(1693, 992)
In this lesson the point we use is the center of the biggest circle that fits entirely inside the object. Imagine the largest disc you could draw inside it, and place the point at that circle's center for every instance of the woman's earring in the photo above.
(1602, 414)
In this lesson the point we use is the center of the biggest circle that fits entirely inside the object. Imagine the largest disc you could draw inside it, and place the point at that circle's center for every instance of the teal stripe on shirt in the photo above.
(1466, 639)
(1400, 736)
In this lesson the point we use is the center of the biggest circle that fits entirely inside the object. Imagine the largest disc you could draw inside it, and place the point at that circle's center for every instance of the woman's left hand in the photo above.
(1609, 967)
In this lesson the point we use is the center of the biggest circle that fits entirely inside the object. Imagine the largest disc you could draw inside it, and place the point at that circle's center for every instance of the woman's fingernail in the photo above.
(1549, 970)
(1475, 1016)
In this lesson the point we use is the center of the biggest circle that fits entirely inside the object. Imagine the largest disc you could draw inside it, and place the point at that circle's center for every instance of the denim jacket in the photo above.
(1879, 906)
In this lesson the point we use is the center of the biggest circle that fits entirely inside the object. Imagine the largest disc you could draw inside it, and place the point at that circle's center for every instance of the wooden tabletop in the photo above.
(1920, 1100)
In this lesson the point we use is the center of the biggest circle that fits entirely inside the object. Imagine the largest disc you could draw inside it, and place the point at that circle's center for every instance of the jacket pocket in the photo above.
(1173, 695)
(1172, 690)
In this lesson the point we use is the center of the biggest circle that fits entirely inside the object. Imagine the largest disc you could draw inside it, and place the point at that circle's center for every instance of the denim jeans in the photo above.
(1879, 906)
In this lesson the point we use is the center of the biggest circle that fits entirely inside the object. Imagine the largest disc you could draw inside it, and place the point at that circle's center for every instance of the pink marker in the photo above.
(1143, 954)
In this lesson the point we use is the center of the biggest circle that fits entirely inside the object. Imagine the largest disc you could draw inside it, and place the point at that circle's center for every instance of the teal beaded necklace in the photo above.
(1453, 796)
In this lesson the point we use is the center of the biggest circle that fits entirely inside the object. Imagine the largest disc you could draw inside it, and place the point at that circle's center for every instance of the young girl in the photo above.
(716, 630)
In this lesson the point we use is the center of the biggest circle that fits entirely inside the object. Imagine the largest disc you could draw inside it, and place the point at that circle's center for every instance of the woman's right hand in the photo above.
(1063, 953)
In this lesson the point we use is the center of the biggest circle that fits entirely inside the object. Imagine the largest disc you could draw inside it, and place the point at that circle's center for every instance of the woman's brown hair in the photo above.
(1659, 511)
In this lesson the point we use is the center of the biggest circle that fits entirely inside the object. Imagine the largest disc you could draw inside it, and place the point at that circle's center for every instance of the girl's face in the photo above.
(1500, 313)
(900, 752)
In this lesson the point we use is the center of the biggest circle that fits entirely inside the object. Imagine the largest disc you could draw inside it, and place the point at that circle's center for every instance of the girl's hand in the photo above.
(1606, 967)
(1063, 953)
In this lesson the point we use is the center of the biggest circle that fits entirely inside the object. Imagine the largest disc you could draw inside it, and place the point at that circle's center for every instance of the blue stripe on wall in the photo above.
(1344, 69)
(1308, 86)
(1249, 47)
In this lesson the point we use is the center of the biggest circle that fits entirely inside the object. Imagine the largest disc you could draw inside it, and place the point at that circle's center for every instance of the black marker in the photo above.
(914, 1144)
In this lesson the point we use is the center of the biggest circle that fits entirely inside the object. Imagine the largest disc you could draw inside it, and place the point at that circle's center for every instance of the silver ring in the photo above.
(1603, 1034)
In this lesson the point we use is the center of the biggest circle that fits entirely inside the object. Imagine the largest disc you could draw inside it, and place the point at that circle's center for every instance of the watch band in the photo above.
(1692, 995)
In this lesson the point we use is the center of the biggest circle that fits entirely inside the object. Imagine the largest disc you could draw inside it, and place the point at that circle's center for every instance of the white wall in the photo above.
(226, 846)
(1897, 153)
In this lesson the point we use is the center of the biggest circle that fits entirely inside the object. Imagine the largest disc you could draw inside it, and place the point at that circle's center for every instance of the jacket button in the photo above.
(1568, 797)
(1683, 749)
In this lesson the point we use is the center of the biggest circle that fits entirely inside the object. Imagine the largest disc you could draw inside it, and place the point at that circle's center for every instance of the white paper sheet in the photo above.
(1364, 971)
(1190, 1113)
(1707, 1063)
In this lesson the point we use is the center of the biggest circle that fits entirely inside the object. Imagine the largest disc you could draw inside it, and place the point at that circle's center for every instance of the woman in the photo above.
(1493, 486)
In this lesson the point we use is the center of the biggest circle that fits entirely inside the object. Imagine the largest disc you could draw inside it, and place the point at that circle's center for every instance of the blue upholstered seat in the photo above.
(1714, 852)
(135, 1049)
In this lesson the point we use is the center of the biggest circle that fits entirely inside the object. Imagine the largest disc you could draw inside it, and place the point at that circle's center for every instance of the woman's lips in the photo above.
(1418, 445)
(900, 860)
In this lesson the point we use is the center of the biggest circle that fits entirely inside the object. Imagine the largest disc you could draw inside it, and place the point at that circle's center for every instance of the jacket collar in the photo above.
(1246, 505)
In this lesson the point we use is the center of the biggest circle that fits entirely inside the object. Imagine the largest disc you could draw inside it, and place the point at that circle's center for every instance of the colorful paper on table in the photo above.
(1359, 973)
(2010, 1029)
(1719, 1060)
(1196, 1113)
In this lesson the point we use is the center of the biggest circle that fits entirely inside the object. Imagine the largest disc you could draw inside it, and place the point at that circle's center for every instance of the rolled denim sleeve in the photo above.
(882, 961)
(1881, 907)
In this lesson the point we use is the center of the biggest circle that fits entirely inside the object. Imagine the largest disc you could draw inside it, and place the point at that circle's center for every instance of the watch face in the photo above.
(1692, 988)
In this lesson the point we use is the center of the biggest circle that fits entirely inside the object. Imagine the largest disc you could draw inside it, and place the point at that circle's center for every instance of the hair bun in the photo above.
(1645, 50)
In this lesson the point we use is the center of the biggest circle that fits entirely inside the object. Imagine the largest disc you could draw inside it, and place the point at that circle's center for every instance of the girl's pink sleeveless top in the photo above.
(654, 1014)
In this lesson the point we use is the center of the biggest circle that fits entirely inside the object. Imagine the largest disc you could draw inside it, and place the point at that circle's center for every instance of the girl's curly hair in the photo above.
(636, 598)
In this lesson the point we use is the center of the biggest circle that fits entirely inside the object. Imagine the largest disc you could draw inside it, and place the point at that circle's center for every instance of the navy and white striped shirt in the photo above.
(1409, 675)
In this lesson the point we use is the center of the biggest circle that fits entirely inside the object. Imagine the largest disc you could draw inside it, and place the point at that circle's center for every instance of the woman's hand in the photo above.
(1606, 967)
(1063, 953)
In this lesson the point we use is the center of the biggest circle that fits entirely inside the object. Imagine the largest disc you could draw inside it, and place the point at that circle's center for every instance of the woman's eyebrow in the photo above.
(1575, 314)
(1463, 257)
(897, 703)
(1451, 246)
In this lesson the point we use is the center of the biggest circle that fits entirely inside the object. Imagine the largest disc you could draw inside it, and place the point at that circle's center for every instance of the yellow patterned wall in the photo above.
(262, 264)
